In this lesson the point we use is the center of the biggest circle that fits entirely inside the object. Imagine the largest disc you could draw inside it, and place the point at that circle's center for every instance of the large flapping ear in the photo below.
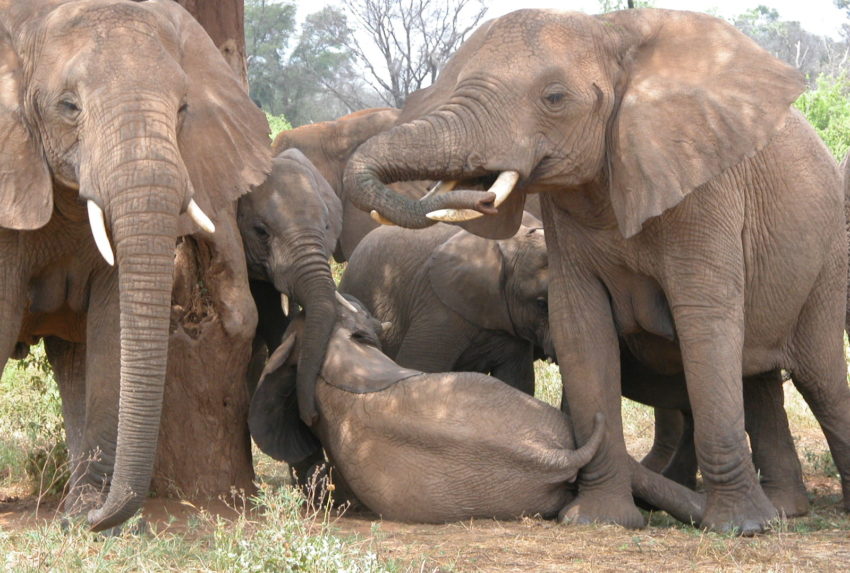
(317, 183)
(26, 190)
(698, 97)
(273, 417)
(467, 273)
(224, 139)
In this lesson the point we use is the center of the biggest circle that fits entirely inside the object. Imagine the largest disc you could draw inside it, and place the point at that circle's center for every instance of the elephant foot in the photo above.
(601, 507)
(791, 501)
(736, 514)
(81, 499)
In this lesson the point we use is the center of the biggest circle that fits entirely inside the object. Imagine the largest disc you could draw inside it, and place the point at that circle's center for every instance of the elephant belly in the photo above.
(64, 323)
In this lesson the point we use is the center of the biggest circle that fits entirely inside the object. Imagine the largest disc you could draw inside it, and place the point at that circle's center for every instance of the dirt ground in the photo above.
(819, 542)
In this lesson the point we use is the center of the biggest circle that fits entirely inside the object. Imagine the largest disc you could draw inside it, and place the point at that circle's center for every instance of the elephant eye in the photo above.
(182, 109)
(262, 233)
(555, 98)
(69, 108)
(542, 304)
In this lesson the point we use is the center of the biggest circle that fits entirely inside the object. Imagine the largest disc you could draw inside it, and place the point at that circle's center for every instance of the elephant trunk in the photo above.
(144, 198)
(314, 289)
(682, 503)
(412, 151)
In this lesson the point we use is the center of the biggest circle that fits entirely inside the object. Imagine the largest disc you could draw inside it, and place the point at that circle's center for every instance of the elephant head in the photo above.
(562, 100)
(502, 287)
(132, 106)
(289, 226)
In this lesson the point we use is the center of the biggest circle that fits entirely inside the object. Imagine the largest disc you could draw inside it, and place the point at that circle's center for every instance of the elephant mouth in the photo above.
(500, 184)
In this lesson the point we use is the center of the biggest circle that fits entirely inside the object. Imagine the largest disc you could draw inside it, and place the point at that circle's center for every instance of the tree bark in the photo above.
(204, 446)
(224, 21)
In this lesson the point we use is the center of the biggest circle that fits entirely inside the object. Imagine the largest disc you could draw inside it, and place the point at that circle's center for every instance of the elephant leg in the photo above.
(589, 360)
(91, 476)
(819, 369)
(682, 467)
(668, 430)
(708, 311)
(774, 454)
(68, 360)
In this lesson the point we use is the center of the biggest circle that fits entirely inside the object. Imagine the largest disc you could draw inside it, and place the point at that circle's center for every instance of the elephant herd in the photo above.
(657, 220)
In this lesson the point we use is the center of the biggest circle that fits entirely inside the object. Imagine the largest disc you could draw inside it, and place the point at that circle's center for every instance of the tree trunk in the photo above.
(224, 21)
(204, 447)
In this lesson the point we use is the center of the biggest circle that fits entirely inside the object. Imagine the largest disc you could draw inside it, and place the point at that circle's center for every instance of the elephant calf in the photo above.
(431, 447)
(457, 301)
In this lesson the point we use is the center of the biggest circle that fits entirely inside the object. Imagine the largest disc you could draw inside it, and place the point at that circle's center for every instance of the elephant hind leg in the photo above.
(774, 454)
(819, 369)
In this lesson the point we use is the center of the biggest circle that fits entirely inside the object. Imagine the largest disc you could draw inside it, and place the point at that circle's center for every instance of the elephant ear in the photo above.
(224, 139)
(273, 416)
(699, 97)
(467, 273)
(26, 190)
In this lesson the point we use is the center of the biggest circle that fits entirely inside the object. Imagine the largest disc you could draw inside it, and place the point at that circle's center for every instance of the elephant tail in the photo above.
(682, 503)
(569, 462)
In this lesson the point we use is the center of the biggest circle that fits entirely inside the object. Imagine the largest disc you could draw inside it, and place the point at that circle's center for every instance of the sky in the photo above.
(820, 17)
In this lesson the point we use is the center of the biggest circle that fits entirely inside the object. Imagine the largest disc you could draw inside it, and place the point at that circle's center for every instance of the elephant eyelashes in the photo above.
(261, 232)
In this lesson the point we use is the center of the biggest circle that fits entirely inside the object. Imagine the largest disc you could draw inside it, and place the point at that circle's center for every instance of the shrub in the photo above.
(828, 110)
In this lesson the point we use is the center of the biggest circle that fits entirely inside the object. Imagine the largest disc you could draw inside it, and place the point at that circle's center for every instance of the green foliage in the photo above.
(606, 6)
(277, 123)
(32, 436)
(827, 108)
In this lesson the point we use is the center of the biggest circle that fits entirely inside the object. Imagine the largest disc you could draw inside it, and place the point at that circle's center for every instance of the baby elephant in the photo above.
(431, 447)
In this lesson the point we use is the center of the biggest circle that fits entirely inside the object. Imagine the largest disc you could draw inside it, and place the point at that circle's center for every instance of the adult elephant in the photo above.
(679, 193)
(455, 301)
(118, 121)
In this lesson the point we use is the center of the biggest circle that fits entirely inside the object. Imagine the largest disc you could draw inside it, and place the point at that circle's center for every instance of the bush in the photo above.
(828, 110)
(277, 123)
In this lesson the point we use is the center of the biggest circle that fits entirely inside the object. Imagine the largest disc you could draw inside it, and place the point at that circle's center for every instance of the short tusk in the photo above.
(385, 326)
(199, 217)
(501, 187)
(440, 187)
(344, 302)
(98, 229)
(284, 304)
(378, 218)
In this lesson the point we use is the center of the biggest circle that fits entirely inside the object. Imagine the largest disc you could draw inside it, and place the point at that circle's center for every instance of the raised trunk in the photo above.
(144, 229)
(416, 150)
(314, 289)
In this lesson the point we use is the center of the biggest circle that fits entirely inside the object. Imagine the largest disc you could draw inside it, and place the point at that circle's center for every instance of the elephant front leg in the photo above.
(588, 356)
(710, 326)
(93, 465)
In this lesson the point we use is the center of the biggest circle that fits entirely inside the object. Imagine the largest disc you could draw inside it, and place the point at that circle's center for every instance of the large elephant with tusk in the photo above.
(121, 129)
(679, 192)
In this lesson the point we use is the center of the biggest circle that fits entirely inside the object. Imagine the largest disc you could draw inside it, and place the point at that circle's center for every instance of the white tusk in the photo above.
(199, 217)
(98, 229)
(378, 218)
(440, 187)
(501, 187)
(385, 326)
(344, 302)
(454, 215)
(284, 304)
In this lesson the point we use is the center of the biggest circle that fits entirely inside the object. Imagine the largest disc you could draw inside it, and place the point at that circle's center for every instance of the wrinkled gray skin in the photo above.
(433, 447)
(455, 301)
(110, 101)
(289, 226)
(688, 210)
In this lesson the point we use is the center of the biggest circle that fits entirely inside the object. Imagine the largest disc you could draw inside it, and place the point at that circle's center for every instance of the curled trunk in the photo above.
(416, 150)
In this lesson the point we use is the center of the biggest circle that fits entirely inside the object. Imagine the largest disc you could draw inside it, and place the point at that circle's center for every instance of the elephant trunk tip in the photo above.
(114, 513)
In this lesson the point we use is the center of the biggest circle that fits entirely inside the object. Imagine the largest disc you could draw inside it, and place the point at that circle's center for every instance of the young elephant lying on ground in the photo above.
(435, 447)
